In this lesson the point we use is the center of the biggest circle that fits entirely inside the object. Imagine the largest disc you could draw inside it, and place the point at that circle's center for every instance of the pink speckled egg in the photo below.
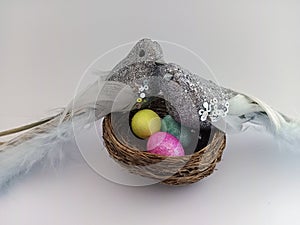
(163, 143)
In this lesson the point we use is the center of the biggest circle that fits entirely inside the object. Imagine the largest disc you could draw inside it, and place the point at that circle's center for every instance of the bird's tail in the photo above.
(247, 110)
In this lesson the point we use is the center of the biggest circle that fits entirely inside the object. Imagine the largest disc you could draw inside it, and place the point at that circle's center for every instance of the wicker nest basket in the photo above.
(129, 151)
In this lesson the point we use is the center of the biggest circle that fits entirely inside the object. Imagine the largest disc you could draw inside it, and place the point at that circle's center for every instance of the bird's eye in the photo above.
(142, 53)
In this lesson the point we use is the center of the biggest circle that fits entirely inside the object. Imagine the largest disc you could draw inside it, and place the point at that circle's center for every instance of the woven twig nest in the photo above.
(125, 148)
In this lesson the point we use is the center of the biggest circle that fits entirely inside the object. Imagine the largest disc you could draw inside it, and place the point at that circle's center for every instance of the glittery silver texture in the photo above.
(136, 74)
(209, 101)
(191, 100)
(144, 50)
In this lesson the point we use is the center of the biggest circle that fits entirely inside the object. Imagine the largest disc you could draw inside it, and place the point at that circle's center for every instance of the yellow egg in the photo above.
(145, 123)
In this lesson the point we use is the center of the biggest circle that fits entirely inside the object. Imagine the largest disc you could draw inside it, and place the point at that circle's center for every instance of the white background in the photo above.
(252, 46)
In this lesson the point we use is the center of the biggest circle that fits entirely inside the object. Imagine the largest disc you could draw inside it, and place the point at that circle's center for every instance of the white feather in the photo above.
(15, 160)
(246, 110)
(21, 157)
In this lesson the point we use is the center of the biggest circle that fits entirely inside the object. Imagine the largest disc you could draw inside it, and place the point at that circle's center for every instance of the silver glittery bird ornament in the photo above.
(191, 100)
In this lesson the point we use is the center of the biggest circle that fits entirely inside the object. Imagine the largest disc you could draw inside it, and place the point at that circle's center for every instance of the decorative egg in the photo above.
(145, 123)
(168, 124)
(163, 143)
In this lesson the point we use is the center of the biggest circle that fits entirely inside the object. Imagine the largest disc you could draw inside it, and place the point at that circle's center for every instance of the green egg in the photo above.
(168, 124)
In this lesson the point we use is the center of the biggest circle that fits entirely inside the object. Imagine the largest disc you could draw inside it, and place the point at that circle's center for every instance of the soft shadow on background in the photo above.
(253, 47)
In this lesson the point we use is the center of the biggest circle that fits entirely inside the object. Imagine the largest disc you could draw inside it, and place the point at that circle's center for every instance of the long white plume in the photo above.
(44, 142)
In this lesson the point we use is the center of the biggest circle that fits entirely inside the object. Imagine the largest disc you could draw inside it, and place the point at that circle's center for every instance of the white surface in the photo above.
(252, 46)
